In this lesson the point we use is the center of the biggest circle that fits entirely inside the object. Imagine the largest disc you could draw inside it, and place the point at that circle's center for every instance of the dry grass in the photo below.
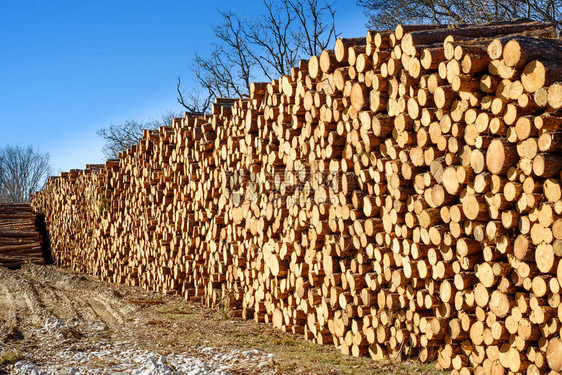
(9, 357)
(293, 354)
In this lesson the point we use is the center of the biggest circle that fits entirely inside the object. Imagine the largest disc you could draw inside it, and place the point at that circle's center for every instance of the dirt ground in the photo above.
(57, 321)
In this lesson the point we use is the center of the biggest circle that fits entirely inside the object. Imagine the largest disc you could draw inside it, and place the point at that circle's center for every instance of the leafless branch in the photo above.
(385, 15)
(260, 49)
(23, 170)
(120, 137)
(194, 102)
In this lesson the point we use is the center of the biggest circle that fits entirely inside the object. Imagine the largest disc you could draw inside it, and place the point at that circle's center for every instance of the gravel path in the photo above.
(119, 358)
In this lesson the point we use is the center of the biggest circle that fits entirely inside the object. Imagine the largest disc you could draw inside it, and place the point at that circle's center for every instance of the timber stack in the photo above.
(398, 196)
(20, 241)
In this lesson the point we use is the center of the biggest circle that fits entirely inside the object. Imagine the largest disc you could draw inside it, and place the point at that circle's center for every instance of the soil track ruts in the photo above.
(51, 317)
(33, 294)
(48, 313)
(29, 297)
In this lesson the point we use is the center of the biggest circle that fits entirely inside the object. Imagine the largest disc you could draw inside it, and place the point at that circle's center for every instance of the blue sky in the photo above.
(69, 68)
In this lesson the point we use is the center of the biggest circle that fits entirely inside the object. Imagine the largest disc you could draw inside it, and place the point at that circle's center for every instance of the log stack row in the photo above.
(20, 241)
(398, 196)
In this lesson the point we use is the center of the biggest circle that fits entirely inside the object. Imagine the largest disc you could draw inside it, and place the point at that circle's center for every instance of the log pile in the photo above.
(398, 196)
(19, 240)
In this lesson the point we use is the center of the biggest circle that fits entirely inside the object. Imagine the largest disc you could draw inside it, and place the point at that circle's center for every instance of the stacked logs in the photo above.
(19, 240)
(397, 196)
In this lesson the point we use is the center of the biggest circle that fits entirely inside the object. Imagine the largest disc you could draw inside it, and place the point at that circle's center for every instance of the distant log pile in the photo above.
(399, 196)
(19, 240)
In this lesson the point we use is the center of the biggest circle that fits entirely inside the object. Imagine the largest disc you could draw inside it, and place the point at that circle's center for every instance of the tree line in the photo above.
(261, 48)
(267, 46)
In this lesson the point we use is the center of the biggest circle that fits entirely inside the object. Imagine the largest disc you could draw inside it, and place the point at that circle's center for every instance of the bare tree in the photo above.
(259, 49)
(122, 136)
(23, 171)
(386, 14)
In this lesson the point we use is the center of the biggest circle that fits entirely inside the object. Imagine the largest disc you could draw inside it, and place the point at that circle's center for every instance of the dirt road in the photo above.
(63, 322)
(53, 321)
